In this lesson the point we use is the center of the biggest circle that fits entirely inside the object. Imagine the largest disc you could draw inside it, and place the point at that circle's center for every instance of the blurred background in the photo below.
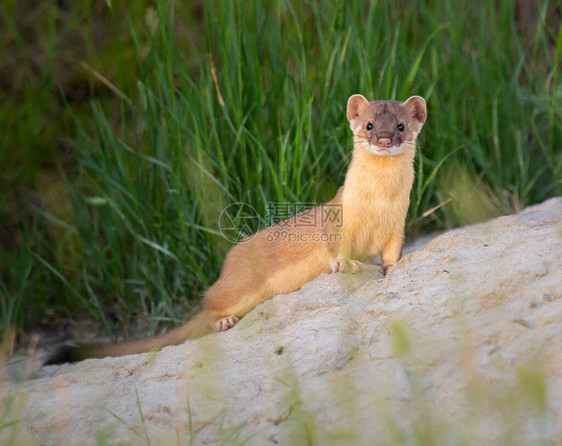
(126, 128)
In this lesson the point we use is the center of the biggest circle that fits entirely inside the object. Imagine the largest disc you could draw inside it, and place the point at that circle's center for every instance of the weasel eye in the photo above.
(401, 127)
(369, 126)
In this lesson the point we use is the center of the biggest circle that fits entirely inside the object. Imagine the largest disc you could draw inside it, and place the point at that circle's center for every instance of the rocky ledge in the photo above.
(460, 343)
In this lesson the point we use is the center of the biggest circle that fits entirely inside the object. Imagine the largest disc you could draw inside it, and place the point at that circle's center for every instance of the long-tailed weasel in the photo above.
(372, 207)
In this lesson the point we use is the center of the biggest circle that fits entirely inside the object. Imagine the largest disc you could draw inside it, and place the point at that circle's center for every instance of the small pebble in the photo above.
(523, 323)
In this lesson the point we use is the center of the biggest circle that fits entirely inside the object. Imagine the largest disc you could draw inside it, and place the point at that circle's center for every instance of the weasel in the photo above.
(372, 206)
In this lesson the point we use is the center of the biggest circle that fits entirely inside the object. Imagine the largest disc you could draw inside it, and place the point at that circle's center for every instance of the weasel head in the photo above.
(385, 128)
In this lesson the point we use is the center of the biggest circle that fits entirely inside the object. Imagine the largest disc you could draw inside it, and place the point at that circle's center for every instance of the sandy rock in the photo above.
(460, 343)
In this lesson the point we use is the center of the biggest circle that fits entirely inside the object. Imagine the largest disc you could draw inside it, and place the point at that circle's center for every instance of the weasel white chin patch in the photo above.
(384, 151)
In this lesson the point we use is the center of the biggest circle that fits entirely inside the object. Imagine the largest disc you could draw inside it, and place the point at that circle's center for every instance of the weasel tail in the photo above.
(366, 218)
(195, 327)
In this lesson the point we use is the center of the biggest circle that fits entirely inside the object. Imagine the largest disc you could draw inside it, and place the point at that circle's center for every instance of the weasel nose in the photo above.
(384, 142)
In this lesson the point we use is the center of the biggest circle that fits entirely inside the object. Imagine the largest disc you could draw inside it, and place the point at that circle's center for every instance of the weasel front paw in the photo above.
(226, 323)
(385, 268)
(346, 265)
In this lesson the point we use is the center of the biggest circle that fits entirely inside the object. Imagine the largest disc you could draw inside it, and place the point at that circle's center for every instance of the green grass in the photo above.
(122, 222)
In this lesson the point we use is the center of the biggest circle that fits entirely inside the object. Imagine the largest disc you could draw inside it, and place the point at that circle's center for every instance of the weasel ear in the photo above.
(355, 105)
(415, 106)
